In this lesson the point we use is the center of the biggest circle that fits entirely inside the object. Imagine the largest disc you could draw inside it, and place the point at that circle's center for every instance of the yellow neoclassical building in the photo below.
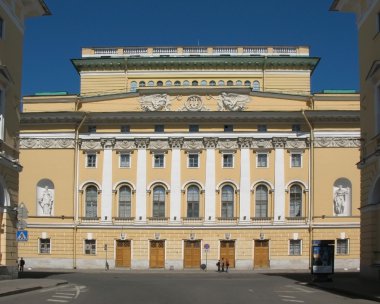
(171, 157)
(12, 16)
(368, 23)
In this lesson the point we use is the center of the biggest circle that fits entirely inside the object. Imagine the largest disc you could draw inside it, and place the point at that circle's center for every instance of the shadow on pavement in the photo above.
(38, 274)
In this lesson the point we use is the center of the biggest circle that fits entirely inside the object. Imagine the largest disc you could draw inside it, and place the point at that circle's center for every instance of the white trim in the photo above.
(47, 135)
(192, 182)
(337, 134)
(245, 178)
(175, 185)
(153, 183)
(108, 73)
(123, 182)
(227, 181)
(106, 197)
(141, 177)
(279, 193)
(90, 182)
(210, 195)
(297, 181)
(260, 182)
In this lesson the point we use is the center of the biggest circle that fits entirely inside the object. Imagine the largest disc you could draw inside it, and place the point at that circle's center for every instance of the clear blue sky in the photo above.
(51, 41)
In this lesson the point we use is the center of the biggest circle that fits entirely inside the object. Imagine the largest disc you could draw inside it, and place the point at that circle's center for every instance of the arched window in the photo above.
(186, 83)
(227, 202)
(193, 202)
(91, 202)
(295, 201)
(168, 83)
(133, 86)
(239, 82)
(177, 83)
(247, 83)
(212, 83)
(261, 208)
(159, 201)
(160, 83)
(142, 84)
(221, 83)
(124, 201)
(230, 83)
(150, 83)
(256, 86)
(45, 197)
(203, 83)
(194, 83)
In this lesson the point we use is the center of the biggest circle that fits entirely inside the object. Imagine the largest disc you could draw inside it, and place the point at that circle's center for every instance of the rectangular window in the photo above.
(45, 246)
(193, 160)
(158, 160)
(91, 129)
(125, 160)
(91, 160)
(228, 128)
(159, 128)
(262, 160)
(296, 160)
(342, 246)
(1, 28)
(261, 128)
(125, 129)
(228, 161)
(193, 128)
(90, 247)
(296, 128)
(294, 247)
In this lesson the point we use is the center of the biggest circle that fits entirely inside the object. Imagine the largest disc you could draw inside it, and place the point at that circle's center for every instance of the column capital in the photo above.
(210, 142)
(279, 142)
(245, 142)
(142, 143)
(176, 142)
(107, 143)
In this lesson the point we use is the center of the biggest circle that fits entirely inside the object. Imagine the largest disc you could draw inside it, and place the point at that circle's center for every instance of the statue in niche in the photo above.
(232, 102)
(156, 102)
(340, 199)
(46, 201)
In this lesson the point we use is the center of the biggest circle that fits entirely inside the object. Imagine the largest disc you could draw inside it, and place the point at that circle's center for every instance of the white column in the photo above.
(210, 144)
(175, 180)
(141, 180)
(245, 179)
(106, 207)
(279, 179)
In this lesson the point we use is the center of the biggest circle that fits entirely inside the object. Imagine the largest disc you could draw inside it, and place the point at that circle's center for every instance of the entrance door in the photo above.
(261, 258)
(227, 252)
(157, 254)
(123, 254)
(192, 254)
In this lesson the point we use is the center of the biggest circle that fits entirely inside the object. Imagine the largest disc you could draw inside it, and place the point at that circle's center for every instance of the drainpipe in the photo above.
(311, 184)
(75, 185)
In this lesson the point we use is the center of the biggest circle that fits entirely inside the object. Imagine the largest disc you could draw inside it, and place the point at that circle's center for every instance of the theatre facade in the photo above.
(173, 157)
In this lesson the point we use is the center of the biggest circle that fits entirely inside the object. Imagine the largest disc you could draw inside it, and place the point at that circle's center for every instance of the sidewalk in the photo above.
(10, 287)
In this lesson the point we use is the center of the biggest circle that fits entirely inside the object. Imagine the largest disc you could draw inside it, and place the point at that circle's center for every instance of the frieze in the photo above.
(125, 145)
(91, 144)
(155, 102)
(193, 144)
(159, 145)
(278, 142)
(47, 143)
(232, 102)
(336, 142)
(176, 142)
(262, 143)
(194, 103)
(295, 144)
(142, 143)
(227, 144)
(210, 142)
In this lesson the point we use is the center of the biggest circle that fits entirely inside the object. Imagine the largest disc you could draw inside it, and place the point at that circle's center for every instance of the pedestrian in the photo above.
(218, 265)
(22, 263)
(222, 264)
(227, 264)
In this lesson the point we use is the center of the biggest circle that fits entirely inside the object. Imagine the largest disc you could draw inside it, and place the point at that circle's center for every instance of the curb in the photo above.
(22, 290)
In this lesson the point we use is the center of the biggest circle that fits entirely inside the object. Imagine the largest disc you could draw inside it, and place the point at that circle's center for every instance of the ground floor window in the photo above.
(90, 247)
(44, 246)
(294, 247)
(342, 246)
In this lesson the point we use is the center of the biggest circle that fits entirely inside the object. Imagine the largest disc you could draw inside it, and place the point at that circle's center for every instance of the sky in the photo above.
(51, 41)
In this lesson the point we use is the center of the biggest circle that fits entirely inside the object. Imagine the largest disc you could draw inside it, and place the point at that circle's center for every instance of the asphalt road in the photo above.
(181, 288)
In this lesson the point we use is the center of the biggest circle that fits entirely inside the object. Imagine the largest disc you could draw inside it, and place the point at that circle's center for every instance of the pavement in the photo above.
(348, 284)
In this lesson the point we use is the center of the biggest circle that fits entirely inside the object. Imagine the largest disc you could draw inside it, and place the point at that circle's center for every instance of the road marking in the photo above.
(66, 293)
(63, 297)
(60, 301)
(295, 301)
(250, 290)
(291, 297)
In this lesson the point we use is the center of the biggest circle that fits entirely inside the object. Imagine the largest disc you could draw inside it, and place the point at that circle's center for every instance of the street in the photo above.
(183, 287)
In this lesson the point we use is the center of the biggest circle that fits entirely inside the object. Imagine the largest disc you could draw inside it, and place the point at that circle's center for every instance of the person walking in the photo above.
(227, 264)
(21, 264)
(222, 264)
(218, 264)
